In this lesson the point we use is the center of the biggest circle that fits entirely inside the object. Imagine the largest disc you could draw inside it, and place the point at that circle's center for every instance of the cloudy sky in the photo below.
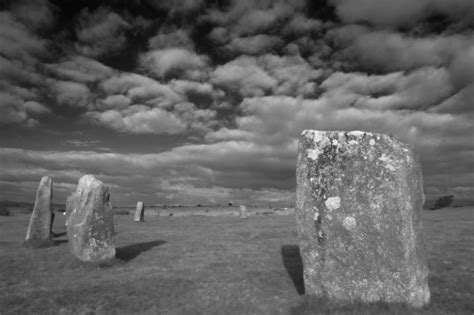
(196, 101)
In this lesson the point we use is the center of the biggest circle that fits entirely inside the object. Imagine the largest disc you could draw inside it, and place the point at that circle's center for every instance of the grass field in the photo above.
(210, 265)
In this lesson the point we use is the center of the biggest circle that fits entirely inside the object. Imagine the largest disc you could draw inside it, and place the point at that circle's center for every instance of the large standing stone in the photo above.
(39, 229)
(139, 212)
(243, 211)
(358, 206)
(70, 205)
(90, 226)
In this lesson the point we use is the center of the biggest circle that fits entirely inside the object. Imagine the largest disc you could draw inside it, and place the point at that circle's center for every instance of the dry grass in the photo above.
(210, 265)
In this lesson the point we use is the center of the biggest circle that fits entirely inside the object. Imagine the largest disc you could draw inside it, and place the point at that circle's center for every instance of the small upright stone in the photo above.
(139, 212)
(359, 198)
(243, 211)
(90, 226)
(39, 230)
(70, 205)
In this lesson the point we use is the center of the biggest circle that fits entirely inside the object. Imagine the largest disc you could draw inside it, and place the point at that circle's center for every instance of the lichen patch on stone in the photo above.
(316, 216)
(313, 154)
(333, 203)
(349, 223)
(372, 142)
(356, 133)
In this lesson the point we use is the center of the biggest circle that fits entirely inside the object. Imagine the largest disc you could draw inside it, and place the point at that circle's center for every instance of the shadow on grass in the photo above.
(320, 305)
(293, 265)
(127, 253)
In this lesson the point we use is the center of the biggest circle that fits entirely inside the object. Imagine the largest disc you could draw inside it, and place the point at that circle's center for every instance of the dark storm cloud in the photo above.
(235, 82)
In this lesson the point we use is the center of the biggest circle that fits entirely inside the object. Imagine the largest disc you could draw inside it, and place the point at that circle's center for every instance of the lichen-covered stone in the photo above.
(139, 212)
(90, 226)
(70, 205)
(358, 209)
(243, 211)
(39, 229)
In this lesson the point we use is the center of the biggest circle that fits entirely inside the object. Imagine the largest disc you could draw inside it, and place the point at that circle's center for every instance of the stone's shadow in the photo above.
(58, 234)
(127, 253)
(293, 265)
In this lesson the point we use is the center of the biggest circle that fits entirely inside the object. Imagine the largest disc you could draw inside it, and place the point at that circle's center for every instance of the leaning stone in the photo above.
(139, 212)
(243, 211)
(39, 230)
(358, 209)
(90, 226)
(70, 205)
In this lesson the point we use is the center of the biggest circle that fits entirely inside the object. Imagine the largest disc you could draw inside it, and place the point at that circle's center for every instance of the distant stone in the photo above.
(90, 226)
(359, 198)
(70, 205)
(39, 230)
(243, 211)
(139, 212)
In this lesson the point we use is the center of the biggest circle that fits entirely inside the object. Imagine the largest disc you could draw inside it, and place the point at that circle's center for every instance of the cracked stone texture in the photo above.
(359, 199)
(90, 226)
(39, 229)
(139, 212)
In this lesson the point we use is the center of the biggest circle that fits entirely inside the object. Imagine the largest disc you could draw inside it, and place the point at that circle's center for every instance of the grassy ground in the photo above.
(210, 265)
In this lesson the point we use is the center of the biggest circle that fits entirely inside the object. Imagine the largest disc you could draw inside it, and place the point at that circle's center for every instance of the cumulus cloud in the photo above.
(35, 14)
(389, 13)
(140, 88)
(391, 91)
(100, 32)
(391, 51)
(15, 109)
(17, 42)
(294, 75)
(176, 7)
(79, 69)
(139, 119)
(174, 39)
(244, 76)
(72, 94)
(253, 45)
(174, 61)
(251, 16)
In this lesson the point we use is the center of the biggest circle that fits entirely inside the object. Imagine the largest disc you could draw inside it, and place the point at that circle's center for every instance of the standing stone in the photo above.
(90, 226)
(70, 205)
(39, 229)
(358, 209)
(243, 211)
(139, 212)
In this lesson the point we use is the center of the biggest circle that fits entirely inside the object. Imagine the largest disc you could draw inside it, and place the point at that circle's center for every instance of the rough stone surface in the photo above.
(90, 226)
(358, 210)
(139, 212)
(70, 205)
(39, 229)
(243, 211)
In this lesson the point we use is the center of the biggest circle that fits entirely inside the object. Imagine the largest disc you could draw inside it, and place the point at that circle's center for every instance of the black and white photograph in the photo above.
(236, 157)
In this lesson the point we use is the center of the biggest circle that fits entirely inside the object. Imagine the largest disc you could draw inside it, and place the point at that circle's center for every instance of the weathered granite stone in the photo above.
(139, 212)
(243, 211)
(358, 209)
(70, 205)
(39, 230)
(90, 226)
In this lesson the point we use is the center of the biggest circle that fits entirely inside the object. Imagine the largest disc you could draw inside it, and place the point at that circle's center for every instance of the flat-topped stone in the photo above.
(358, 209)
(90, 226)
(139, 212)
(243, 211)
(39, 229)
